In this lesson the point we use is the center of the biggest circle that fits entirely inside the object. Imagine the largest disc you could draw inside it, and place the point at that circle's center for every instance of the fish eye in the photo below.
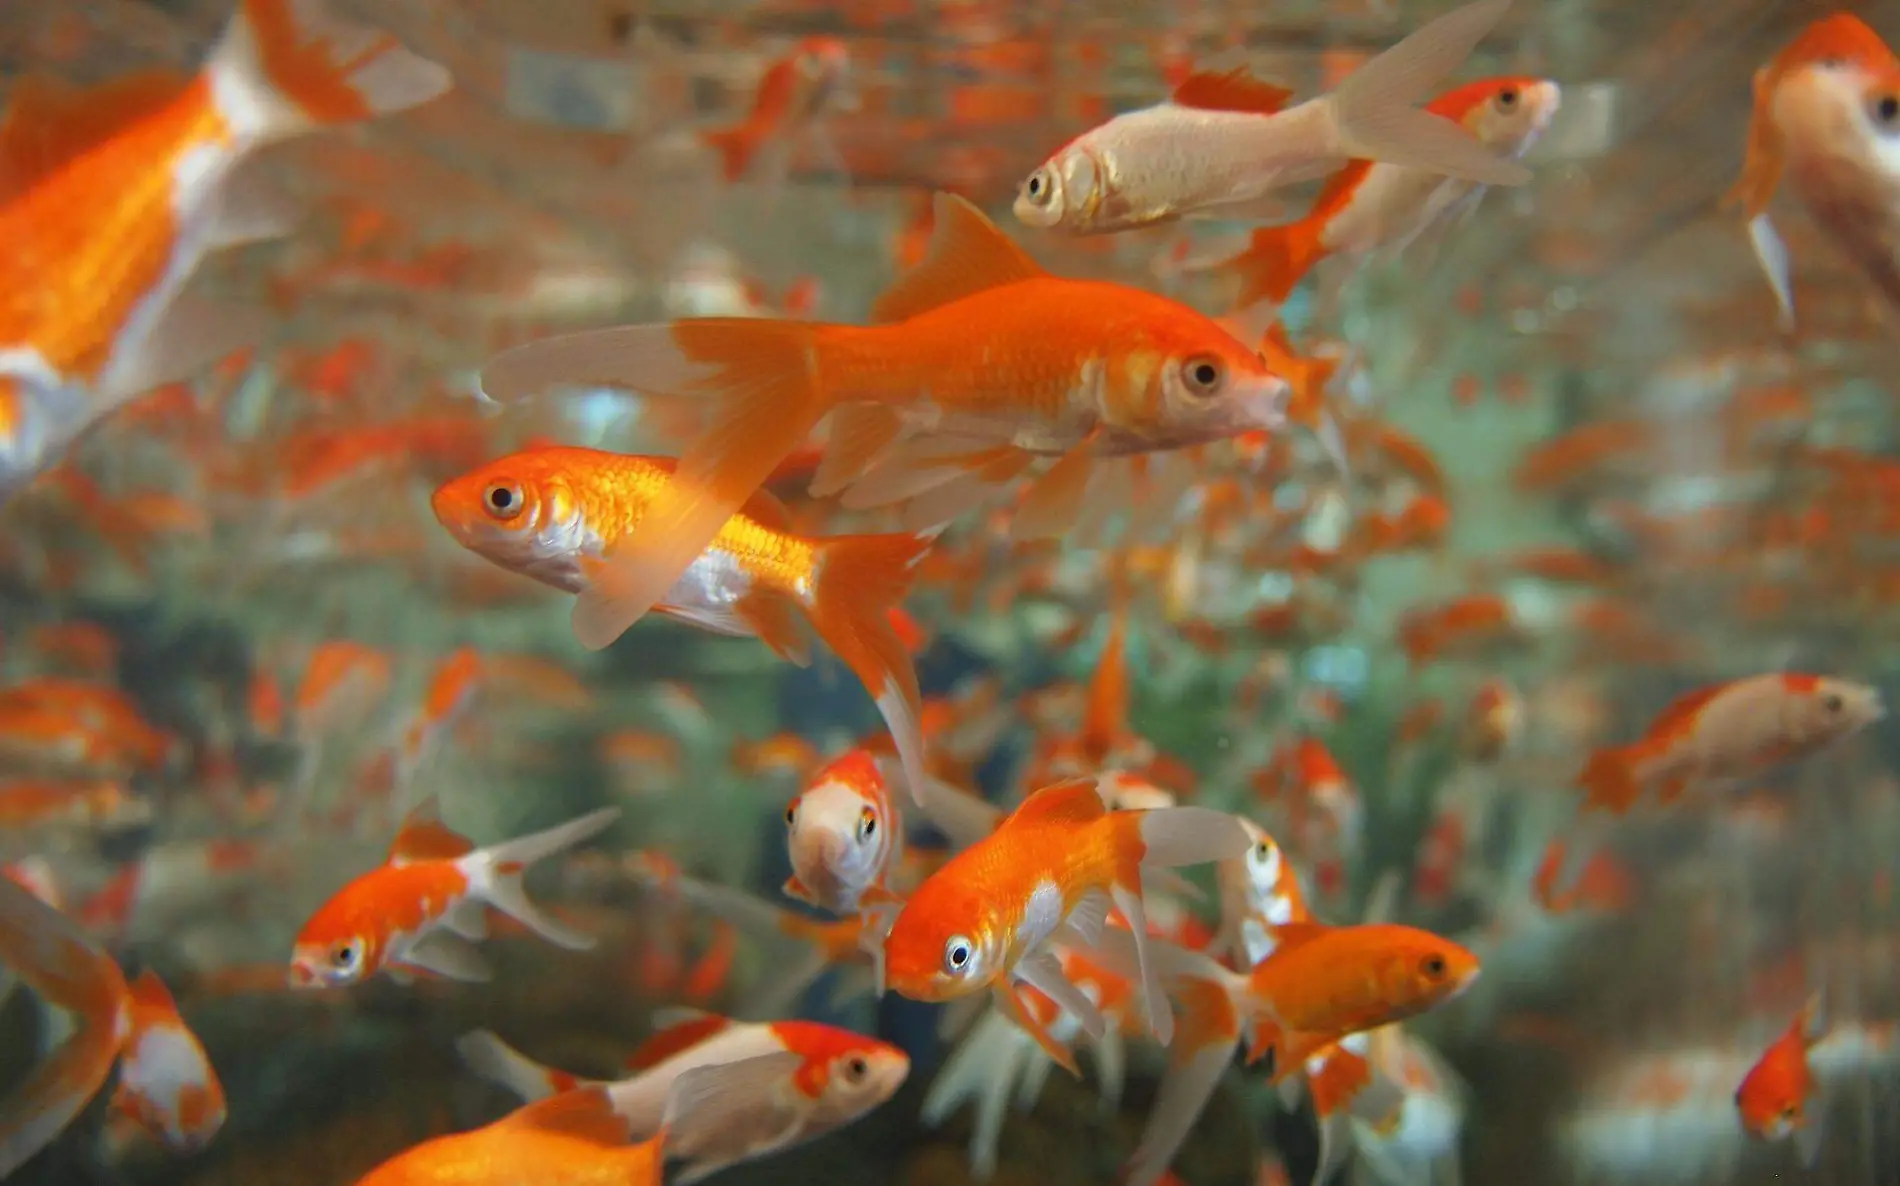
(1202, 375)
(1040, 189)
(1791, 1112)
(1885, 110)
(867, 824)
(957, 954)
(343, 956)
(791, 812)
(1433, 966)
(1832, 702)
(1507, 98)
(503, 500)
(855, 1069)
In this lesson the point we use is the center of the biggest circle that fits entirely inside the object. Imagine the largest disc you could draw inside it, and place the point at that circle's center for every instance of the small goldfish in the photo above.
(1259, 893)
(1071, 369)
(166, 1082)
(1223, 142)
(1730, 730)
(1368, 205)
(564, 516)
(1778, 1098)
(843, 836)
(1055, 866)
(423, 909)
(1827, 115)
(793, 96)
(123, 189)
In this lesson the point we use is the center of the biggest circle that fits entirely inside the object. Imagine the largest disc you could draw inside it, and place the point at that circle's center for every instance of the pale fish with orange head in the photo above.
(843, 836)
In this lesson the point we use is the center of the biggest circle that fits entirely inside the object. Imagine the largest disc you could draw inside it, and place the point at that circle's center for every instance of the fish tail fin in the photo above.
(1811, 1023)
(1609, 781)
(735, 146)
(1277, 258)
(1206, 1030)
(499, 874)
(1375, 113)
(285, 66)
(495, 1061)
(860, 577)
(754, 383)
(1175, 836)
(68, 970)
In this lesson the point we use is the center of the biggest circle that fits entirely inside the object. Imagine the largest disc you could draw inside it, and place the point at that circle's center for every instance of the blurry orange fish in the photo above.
(1072, 369)
(1778, 1098)
(796, 91)
(111, 197)
(561, 515)
(1827, 114)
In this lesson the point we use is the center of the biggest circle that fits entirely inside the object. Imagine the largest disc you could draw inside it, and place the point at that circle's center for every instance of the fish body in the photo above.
(843, 836)
(111, 198)
(563, 516)
(166, 1082)
(1779, 1098)
(421, 911)
(1826, 117)
(1222, 142)
(794, 94)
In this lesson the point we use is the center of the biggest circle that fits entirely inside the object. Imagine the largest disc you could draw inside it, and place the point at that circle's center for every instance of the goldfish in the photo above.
(1826, 116)
(422, 910)
(1223, 142)
(1727, 731)
(1778, 1099)
(166, 1083)
(1416, 1136)
(823, 1079)
(1070, 369)
(1259, 892)
(1054, 867)
(843, 836)
(114, 195)
(1368, 205)
(577, 1138)
(563, 515)
(793, 96)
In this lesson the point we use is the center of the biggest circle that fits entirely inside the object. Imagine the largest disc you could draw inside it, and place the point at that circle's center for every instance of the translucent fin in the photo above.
(1177, 836)
(1375, 112)
(1042, 971)
(188, 337)
(859, 434)
(968, 254)
(1772, 254)
(1189, 1082)
(1055, 499)
(499, 871)
(493, 1060)
(449, 956)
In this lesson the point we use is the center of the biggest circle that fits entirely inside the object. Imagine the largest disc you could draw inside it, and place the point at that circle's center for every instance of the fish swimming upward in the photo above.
(110, 198)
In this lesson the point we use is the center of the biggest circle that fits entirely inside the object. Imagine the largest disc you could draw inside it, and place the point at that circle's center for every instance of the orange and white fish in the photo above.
(1070, 369)
(165, 1080)
(1412, 1136)
(424, 909)
(577, 1138)
(826, 1078)
(123, 189)
(451, 690)
(795, 93)
(1259, 893)
(1223, 142)
(1730, 730)
(564, 516)
(844, 836)
(1367, 205)
(1053, 868)
(1827, 116)
(1779, 1098)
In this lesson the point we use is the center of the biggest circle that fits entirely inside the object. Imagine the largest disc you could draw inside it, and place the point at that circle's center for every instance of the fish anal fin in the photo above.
(1234, 90)
(424, 837)
(968, 254)
(859, 434)
(777, 621)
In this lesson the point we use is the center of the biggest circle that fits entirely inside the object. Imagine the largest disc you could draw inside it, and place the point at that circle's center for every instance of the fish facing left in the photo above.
(111, 197)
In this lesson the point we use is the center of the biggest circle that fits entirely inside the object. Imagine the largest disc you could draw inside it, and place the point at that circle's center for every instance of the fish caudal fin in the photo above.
(755, 383)
(50, 954)
(1277, 258)
(1772, 254)
(860, 577)
(1208, 1029)
(1374, 108)
(498, 872)
(285, 66)
(493, 1060)
(1175, 836)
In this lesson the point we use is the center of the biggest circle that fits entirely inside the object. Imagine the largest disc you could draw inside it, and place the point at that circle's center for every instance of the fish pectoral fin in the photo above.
(1012, 1007)
(1775, 262)
(251, 210)
(449, 956)
(1043, 971)
(1084, 925)
(189, 336)
(1055, 499)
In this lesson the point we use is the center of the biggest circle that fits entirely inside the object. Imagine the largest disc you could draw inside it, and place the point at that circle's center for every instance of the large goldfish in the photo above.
(110, 197)
(981, 363)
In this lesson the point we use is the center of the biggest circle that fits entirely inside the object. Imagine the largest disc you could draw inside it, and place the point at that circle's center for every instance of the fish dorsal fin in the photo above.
(585, 1114)
(1074, 801)
(149, 991)
(1810, 1025)
(968, 255)
(1232, 90)
(683, 1033)
(48, 123)
(1289, 935)
(424, 837)
(1680, 711)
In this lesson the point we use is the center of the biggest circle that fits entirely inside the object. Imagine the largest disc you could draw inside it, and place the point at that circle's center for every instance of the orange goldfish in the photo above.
(1827, 114)
(795, 93)
(112, 196)
(1727, 731)
(1778, 1098)
(166, 1083)
(424, 908)
(1055, 866)
(564, 515)
(1223, 142)
(844, 836)
(1072, 369)
(1366, 205)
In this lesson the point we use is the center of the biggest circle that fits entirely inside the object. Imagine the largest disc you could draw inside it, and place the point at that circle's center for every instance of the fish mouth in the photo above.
(1263, 404)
